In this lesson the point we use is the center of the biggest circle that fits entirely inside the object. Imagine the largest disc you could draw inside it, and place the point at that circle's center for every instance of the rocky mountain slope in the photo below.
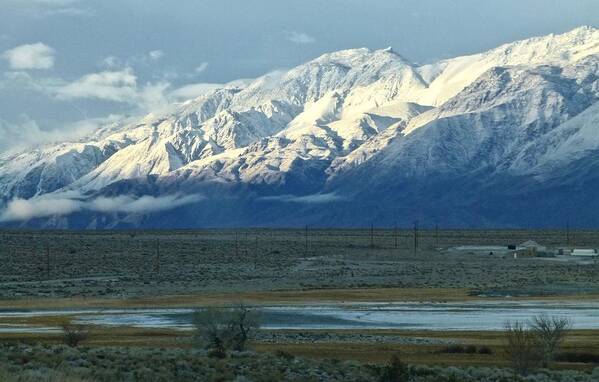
(502, 138)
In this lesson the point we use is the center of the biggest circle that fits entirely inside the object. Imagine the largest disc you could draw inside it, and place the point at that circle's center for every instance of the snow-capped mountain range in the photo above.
(508, 137)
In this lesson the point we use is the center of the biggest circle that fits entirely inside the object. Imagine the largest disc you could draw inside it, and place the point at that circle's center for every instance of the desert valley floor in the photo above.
(346, 295)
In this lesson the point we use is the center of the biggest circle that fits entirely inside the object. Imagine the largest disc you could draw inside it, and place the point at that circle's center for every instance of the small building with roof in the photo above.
(532, 246)
(584, 252)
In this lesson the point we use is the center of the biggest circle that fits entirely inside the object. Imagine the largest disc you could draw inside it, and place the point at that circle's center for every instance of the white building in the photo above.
(584, 252)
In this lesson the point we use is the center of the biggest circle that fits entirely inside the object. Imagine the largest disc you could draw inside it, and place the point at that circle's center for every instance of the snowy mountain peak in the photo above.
(582, 33)
(358, 125)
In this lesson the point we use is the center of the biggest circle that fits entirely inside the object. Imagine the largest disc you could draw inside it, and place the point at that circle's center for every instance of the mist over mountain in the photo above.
(503, 138)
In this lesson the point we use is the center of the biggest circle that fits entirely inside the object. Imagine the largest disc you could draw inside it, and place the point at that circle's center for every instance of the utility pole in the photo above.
(48, 261)
(247, 243)
(436, 235)
(157, 265)
(256, 253)
(307, 243)
(415, 236)
(236, 244)
(568, 231)
(371, 235)
(395, 234)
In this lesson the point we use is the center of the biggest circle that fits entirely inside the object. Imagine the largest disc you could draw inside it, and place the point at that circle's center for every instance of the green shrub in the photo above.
(285, 355)
(470, 349)
(395, 371)
(459, 349)
(578, 357)
(485, 350)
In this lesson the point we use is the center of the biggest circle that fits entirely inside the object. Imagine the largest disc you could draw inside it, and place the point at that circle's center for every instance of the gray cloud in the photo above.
(66, 203)
(193, 91)
(26, 132)
(306, 199)
(145, 59)
(49, 8)
(47, 3)
(201, 68)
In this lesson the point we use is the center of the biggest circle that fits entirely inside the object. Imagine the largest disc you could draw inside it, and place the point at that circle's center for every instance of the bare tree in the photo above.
(213, 330)
(520, 349)
(221, 329)
(549, 334)
(73, 334)
(246, 323)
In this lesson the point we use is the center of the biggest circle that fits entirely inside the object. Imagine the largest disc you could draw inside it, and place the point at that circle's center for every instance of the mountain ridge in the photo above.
(356, 126)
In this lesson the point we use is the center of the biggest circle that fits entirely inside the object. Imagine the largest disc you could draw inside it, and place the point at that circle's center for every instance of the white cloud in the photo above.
(21, 209)
(153, 97)
(30, 56)
(299, 37)
(191, 91)
(156, 55)
(118, 86)
(143, 204)
(62, 204)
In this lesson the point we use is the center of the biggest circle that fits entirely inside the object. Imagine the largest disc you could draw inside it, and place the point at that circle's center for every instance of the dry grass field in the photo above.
(363, 351)
(125, 265)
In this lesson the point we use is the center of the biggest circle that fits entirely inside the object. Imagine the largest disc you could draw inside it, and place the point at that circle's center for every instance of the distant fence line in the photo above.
(45, 252)
(453, 232)
(242, 234)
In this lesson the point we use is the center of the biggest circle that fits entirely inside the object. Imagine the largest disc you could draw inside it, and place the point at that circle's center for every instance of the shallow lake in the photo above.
(408, 316)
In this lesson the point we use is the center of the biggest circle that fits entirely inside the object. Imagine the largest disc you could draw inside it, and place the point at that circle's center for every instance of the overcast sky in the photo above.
(67, 65)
